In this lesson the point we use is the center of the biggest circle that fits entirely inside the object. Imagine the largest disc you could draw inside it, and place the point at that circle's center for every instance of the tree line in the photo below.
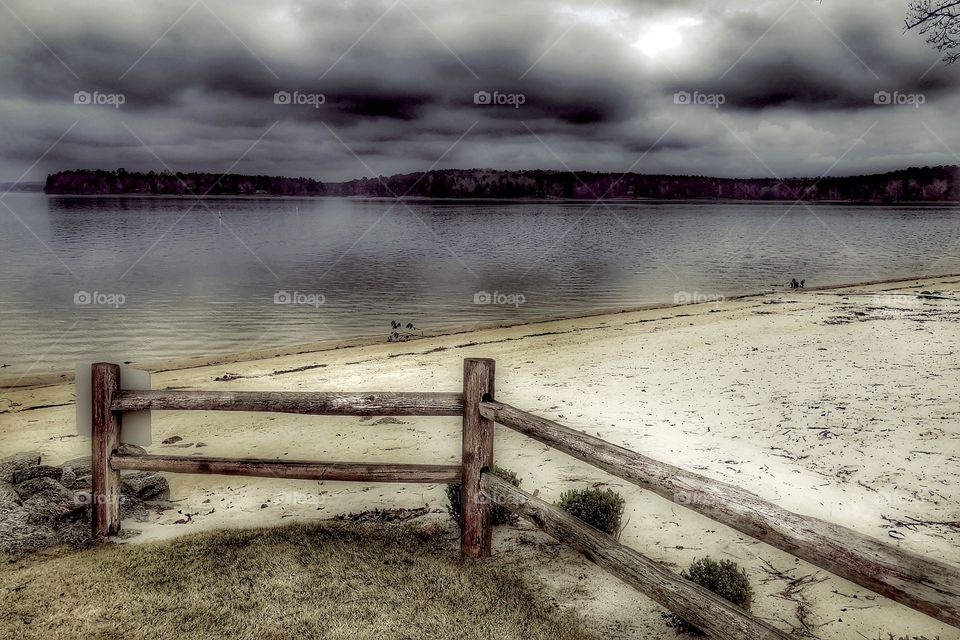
(100, 182)
(922, 184)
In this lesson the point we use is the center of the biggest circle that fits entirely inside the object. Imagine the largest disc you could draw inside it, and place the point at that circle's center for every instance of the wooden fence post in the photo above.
(477, 457)
(105, 495)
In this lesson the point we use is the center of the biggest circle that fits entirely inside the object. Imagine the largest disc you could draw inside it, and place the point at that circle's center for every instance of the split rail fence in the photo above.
(924, 584)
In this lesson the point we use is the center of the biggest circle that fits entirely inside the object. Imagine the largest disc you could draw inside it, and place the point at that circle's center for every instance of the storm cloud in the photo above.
(348, 89)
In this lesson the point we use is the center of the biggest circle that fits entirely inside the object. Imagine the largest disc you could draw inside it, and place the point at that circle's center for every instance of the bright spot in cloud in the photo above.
(663, 35)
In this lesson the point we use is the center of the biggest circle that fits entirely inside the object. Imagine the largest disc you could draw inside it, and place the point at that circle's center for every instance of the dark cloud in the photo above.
(597, 84)
(795, 57)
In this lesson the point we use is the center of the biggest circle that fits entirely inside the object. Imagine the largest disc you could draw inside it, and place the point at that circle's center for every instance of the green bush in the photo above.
(499, 515)
(602, 509)
(725, 578)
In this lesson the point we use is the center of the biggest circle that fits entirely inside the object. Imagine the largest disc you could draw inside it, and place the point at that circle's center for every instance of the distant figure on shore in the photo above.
(794, 284)
(801, 283)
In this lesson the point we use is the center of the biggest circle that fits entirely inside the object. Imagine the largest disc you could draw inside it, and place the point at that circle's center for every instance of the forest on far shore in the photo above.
(924, 184)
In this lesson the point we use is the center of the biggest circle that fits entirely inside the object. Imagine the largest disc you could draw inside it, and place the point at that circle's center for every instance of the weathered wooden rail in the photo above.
(921, 583)
(715, 616)
(926, 585)
(318, 403)
(292, 469)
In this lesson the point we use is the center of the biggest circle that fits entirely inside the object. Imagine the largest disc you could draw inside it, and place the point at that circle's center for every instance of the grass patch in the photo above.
(320, 580)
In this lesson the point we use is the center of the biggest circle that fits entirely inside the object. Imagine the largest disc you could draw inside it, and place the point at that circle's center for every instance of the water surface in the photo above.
(173, 279)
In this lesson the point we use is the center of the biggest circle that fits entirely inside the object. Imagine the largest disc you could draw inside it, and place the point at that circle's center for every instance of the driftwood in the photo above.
(372, 403)
(925, 585)
(716, 617)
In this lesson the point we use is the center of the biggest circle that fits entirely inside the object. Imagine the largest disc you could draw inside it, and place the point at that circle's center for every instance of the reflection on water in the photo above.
(252, 274)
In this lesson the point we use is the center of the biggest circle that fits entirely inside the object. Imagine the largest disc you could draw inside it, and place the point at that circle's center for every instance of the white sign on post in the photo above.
(135, 426)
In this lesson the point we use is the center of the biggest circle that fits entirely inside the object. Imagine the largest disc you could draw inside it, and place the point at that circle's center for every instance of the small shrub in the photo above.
(725, 578)
(499, 515)
(600, 508)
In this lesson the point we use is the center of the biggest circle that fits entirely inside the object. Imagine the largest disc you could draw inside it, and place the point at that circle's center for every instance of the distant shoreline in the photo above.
(915, 184)
(59, 377)
(175, 196)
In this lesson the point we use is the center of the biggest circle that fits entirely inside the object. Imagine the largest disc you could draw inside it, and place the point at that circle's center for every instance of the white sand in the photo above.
(843, 404)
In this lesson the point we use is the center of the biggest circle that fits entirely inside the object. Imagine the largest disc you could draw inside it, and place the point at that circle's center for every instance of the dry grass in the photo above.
(325, 580)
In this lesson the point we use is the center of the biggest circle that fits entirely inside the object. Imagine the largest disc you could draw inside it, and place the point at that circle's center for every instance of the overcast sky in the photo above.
(785, 87)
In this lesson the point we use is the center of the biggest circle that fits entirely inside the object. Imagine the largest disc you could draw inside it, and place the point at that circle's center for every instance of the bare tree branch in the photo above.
(939, 21)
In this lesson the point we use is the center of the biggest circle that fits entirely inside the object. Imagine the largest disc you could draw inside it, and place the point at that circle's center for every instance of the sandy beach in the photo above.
(842, 403)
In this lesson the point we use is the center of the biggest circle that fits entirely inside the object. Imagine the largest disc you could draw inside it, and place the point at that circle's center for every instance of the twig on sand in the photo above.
(787, 454)
(793, 592)
(913, 523)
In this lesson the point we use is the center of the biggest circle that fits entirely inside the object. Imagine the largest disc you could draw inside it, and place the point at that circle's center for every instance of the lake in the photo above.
(153, 280)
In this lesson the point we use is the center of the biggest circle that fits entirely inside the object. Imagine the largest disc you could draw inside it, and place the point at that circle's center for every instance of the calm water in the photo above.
(172, 283)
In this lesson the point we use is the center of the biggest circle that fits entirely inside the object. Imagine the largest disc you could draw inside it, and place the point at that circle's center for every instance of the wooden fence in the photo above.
(926, 585)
